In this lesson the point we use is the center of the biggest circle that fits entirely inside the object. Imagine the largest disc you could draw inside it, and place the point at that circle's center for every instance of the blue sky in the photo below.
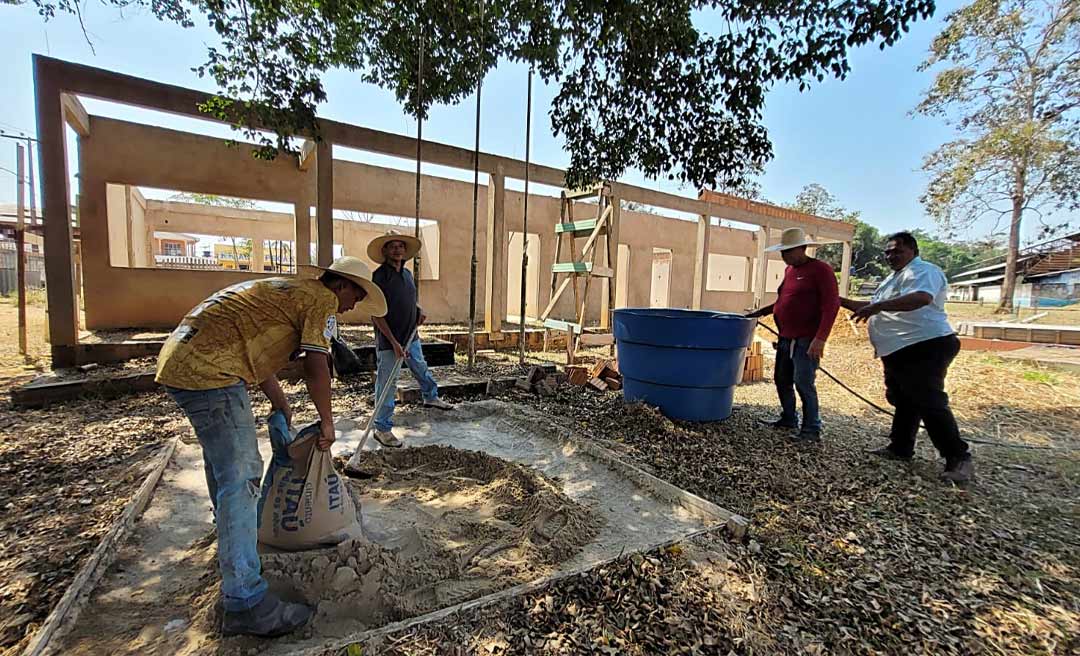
(855, 137)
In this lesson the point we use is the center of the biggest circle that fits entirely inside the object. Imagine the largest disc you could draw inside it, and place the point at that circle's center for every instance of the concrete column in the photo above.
(607, 299)
(324, 205)
(701, 261)
(495, 280)
(59, 260)
(302, 236)
(811, 250)
(258, 253)
(845, 270)
(760, 266)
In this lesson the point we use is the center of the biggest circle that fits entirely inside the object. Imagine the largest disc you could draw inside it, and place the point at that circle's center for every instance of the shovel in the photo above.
(352, 468)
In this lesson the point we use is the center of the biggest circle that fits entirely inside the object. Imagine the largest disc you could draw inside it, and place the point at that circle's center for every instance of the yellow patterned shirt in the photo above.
(248, 332)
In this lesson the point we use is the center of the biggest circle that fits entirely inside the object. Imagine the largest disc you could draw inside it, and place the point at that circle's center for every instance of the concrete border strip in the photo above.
(67, 609)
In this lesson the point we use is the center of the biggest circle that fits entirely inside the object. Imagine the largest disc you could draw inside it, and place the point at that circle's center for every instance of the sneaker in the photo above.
(438, 403)
(807, 437)
(887, 453)
(779, 424)
(387, 439)
(270, 618)
(959, 471)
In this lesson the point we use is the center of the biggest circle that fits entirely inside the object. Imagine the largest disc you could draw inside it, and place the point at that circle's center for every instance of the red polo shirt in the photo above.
(807, 301)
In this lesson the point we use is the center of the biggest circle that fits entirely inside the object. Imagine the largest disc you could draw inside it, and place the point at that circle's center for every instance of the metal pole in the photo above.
(475, 206)
(419, 138)
(20, 244)
(525, 223)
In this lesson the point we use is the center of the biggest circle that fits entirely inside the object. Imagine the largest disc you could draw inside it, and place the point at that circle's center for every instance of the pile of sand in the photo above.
(445, 526)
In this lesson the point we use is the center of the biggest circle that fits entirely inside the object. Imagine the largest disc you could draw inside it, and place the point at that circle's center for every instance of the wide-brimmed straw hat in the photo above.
(792, 238)
(375, 248)
(357, 271)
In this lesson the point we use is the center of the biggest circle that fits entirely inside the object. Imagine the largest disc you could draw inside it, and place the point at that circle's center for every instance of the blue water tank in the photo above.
(686, 362)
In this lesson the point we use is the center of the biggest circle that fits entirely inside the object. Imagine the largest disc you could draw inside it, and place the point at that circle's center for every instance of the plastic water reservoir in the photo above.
(686, 362)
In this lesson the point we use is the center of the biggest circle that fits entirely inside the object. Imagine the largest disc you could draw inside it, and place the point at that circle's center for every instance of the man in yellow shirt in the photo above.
(243, 335)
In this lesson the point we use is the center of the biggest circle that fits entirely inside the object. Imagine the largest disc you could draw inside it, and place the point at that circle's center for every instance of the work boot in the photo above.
(269, 618)
(887, 453)
(778, 424)
(959, 471)
(438, 403)
(387, 439)
(807, 437)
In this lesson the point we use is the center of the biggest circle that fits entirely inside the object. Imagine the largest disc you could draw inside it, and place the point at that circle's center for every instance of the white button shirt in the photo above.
(892, 331)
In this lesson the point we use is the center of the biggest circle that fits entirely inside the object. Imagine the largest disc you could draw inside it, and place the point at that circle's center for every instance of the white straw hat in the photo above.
(375, 247)
(357, 271)
(792, 238)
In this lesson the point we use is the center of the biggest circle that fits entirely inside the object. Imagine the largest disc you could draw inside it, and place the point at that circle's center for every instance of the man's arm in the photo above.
(317, 377)
(905, 303)
(761, 312)
(272, 389)
(854, 306)
(384, 328)
(829, 295)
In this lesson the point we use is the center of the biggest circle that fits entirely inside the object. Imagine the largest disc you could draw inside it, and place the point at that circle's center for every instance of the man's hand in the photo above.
(816, 349)
(399, 351)
(326, 434)
(864, 313)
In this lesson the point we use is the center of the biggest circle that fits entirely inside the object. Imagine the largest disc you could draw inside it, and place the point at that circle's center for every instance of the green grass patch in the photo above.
(1041, 377)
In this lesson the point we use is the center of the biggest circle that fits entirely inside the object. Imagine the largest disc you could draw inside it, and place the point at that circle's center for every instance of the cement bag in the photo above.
(304, 503)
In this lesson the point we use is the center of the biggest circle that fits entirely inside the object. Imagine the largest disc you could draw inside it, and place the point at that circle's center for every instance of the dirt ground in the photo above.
(846, 554)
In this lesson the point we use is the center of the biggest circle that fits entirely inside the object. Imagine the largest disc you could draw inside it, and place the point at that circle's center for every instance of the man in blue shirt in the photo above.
(911, 334)
(392, 332)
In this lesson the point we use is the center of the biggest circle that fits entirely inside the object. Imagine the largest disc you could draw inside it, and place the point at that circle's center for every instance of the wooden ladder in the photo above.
(587, 265)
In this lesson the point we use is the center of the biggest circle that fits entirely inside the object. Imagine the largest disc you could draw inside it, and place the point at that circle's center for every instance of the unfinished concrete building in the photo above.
(106, 255)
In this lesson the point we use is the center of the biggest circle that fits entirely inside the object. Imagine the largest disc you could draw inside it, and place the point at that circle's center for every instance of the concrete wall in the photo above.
(124, 153)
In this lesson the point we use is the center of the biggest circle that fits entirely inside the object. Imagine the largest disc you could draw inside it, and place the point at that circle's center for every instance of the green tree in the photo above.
(952, 256)
(1010, 84)
(639, 84)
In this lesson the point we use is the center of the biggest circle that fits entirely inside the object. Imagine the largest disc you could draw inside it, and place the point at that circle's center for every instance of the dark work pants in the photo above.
(915, 386)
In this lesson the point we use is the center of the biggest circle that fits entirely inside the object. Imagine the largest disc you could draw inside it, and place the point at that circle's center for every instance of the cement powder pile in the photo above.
(445, 526)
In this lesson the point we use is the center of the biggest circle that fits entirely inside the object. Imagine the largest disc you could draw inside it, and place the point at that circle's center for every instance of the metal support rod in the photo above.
(419, 140)
(525, 223)
(475, 207)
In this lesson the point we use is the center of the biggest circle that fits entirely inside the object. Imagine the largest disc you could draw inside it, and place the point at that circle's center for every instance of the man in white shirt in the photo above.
(911, 334)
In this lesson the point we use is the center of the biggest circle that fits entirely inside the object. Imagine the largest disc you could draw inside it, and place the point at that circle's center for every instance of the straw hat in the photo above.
(355, 270)
(792, 238)
(374, 249)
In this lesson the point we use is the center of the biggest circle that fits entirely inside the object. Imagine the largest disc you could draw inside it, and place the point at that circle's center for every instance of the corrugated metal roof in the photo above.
(977, 281)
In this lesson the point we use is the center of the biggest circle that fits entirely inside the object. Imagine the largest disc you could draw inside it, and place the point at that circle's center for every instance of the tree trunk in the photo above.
(1008, 285)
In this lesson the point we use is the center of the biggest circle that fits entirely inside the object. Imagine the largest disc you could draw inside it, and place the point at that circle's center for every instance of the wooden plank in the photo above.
(75, 114)
(597, 339)
(584, 192)
(555, 297)
(605, 216)
(578, 228)
(408, 391)
(557, 324)
(63, 616)
(20, 245)
(602, 272)
(572, 267)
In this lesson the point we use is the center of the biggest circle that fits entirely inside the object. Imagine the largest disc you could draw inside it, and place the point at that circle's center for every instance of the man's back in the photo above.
(247, 332)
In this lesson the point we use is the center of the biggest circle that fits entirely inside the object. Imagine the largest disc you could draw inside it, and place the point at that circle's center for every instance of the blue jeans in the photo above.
(384, 415)
(225, 426)
(795, 370)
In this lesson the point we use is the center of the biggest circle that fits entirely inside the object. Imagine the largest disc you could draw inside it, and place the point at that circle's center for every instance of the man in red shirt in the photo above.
(805, 308)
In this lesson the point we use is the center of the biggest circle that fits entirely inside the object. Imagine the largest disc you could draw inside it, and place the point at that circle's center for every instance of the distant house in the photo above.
(1048, 274)
(174, 244)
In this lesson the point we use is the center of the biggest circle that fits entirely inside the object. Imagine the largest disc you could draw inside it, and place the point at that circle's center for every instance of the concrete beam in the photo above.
(495, 261)
(59, 262)
(324, 209)
(75, 114)
(701, 261)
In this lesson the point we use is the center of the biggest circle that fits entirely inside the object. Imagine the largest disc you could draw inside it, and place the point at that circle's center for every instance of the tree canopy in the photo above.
(640, 84)
(1008, 81)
